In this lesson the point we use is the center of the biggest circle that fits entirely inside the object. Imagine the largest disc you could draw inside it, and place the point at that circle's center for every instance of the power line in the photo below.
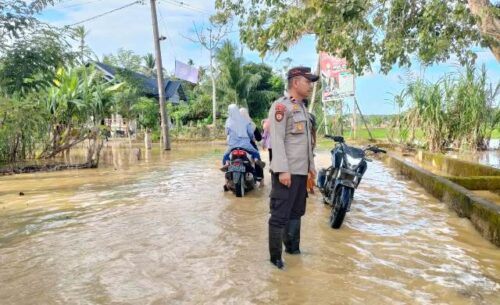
(76, 4)
(166, 32)
(188, 6)
(105, 13)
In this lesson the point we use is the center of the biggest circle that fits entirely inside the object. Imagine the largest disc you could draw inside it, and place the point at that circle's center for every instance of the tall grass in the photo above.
(459, 111)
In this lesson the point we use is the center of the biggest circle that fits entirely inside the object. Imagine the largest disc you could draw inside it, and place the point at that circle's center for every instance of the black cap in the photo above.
(302, 71)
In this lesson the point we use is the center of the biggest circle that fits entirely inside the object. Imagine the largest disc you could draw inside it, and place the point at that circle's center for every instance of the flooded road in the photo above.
(162, 231)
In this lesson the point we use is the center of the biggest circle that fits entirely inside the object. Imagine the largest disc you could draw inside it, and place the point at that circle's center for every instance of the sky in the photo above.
(131, 28)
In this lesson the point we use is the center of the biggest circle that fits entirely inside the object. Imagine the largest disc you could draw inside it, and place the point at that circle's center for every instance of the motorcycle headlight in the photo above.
(353, 162)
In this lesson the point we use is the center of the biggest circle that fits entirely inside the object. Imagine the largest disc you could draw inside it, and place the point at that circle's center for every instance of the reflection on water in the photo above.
(489, 157)
(160, 231)
(494, 144)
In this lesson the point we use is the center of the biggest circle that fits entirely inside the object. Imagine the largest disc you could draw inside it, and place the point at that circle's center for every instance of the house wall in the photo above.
(174, 99)
(118, 123)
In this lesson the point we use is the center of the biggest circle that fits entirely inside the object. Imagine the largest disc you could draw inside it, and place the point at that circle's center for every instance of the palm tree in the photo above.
(149, 65)
(80, 34)
(236, 82)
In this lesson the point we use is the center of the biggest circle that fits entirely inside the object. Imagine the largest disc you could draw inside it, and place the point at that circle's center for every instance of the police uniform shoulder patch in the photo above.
(279, 112)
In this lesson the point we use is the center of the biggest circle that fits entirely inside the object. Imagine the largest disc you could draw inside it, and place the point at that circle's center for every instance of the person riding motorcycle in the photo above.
(257, 135)
(239, 132)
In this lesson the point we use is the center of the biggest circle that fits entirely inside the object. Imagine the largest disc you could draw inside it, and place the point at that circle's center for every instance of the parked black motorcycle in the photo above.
(338, 182)
(240, 176)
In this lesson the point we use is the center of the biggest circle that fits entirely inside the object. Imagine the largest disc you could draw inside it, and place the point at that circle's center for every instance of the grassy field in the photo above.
(377, 133)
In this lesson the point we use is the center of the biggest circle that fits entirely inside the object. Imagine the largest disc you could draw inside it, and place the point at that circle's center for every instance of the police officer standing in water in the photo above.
(292, 161)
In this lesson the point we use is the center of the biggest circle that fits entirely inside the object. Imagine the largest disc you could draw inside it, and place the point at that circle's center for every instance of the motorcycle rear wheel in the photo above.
(239, 187)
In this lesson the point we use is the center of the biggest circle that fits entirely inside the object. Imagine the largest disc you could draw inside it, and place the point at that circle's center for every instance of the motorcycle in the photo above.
(240, 177)
(338, 182)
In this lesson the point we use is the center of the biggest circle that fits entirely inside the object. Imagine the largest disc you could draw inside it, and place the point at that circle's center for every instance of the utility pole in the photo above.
(159, 75)
(363, 119)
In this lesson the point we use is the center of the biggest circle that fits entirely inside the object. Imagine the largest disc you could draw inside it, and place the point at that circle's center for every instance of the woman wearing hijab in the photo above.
(257, 136)
(239, 132)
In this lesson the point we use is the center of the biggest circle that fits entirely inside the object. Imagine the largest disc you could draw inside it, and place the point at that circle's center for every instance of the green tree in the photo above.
(33, 60)
(363, 31)
(126, 59)
(17, 17)
(210, 39)
(268, 89)
(147, 112)
(236, 83)
(22, 126)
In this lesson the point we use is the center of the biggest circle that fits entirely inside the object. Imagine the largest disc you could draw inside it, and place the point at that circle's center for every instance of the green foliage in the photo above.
(359, 30)
(235, 82)
(146, 111)
(428, 112)
(149, 68)
(126, 59)
(495, 134)
(266, 91)
(249, 85)
(84, 52)
(129, 95)
(459, 110)
(22, 127)
(16, 18)
(48, 109)
(473, 109)
(197, 110)
(32, 61)
(76, 104)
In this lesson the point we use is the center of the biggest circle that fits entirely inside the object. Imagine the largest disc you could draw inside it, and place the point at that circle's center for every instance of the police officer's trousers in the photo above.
(287, 202)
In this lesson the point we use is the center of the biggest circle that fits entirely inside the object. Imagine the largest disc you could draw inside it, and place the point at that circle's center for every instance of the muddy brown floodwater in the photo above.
(162, 231)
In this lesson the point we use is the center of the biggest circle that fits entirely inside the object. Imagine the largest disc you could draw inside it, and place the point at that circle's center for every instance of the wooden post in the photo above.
(363, 119)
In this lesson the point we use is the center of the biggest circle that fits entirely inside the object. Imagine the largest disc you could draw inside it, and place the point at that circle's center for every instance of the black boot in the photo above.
(291, 236)
(275, 240)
